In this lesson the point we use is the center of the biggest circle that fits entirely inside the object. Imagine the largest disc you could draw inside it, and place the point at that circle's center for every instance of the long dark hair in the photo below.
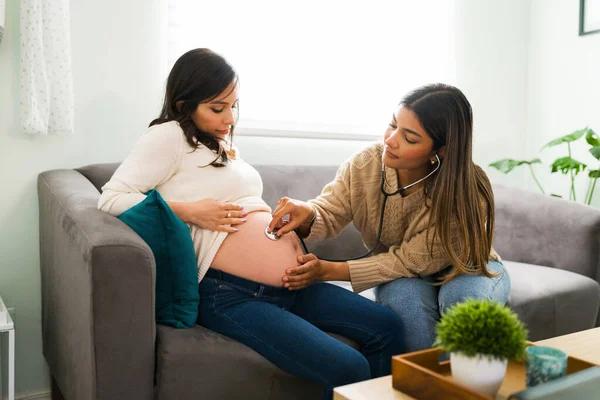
(198, 76)
(460, 194)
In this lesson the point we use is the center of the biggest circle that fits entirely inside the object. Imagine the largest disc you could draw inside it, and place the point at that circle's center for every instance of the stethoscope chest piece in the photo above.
(271, 235)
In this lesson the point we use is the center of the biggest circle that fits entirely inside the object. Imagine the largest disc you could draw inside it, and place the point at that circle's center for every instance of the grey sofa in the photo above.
(99, 335)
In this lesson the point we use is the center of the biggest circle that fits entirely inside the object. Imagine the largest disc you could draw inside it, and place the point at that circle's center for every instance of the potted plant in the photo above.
(566, 165)
(481, 336)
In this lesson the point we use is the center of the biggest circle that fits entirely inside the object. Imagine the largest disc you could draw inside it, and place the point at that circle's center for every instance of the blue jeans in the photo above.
(419, 303)
(288, 327)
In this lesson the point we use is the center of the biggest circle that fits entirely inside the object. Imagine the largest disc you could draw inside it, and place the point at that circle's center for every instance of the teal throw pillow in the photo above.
(169, 238)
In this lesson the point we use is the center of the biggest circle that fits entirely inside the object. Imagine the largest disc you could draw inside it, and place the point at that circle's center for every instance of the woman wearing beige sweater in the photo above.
(435, 246)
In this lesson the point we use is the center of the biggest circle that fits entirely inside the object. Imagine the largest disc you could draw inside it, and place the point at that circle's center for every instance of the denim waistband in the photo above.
(255, 288)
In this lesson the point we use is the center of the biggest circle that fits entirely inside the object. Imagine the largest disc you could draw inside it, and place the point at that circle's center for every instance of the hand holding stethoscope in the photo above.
(302, 213)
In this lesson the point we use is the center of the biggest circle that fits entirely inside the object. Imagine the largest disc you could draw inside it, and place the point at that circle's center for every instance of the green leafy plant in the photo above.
(566, 165)
(508, 164)
(482, 327)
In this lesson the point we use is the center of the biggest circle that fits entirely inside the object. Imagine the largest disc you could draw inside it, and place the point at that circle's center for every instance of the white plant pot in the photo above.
(481, 373)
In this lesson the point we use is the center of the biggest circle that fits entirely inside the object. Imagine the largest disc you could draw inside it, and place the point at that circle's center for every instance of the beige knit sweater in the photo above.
(354, 196)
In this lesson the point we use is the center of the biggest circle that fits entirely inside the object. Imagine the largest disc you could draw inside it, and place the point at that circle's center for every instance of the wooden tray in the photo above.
(422, 376)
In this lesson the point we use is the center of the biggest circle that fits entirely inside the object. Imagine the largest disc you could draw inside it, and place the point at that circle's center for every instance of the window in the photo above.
(320, 67)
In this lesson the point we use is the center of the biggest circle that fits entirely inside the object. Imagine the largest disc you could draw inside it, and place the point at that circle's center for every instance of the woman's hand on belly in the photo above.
(210, 214)
(313, 269)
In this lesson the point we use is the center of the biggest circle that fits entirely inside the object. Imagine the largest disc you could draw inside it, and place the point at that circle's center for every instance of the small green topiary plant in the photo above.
(482, 327)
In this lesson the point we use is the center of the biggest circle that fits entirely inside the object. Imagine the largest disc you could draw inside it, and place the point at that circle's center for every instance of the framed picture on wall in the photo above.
(589, 17)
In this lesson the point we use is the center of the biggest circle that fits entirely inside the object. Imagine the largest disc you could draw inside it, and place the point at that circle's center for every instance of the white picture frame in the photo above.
(589, 17)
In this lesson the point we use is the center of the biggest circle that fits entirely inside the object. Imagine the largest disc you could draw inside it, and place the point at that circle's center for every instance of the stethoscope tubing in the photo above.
(386, 195)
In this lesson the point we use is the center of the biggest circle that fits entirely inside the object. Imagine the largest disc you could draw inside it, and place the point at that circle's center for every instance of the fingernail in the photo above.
(243, 219)
(285, 279)
(287, 285)
(244, 214)
(235, 229)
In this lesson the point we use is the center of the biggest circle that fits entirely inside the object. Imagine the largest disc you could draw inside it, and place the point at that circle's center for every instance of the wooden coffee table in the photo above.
(584, 345)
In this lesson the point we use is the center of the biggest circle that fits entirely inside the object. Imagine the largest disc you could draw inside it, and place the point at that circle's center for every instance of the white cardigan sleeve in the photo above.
(153, 160)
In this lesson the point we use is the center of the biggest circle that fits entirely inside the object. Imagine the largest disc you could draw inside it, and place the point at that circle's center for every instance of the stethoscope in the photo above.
(386, 195)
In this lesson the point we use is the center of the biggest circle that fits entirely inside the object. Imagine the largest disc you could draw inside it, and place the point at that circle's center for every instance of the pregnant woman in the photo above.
(188, 156)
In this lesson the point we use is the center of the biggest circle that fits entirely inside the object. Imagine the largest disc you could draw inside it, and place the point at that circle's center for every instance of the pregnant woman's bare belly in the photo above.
(249, 254)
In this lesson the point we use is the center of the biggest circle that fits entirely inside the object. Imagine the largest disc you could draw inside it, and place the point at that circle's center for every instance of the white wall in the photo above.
(294, 151)
(117, 89)
(564, 89)
(492, 39)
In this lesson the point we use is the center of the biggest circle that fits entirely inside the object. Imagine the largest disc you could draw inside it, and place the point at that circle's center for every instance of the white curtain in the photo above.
(46, 76)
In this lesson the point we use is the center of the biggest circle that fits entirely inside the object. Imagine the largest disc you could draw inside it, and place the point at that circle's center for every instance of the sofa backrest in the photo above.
(530, 227)
(98, 174)
(544, 230)
(301, 183)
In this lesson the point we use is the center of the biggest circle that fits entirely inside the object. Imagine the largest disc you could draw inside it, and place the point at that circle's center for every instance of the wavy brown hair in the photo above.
(198, 76)
(460, 194)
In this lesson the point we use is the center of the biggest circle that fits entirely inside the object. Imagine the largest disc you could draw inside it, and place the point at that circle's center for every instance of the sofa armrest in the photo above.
(543, 230)
(97, 277)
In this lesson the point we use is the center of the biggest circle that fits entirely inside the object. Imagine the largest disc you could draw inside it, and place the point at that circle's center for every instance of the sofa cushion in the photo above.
(198, 363)
(552, 301)
(169, 239)
(369, 293)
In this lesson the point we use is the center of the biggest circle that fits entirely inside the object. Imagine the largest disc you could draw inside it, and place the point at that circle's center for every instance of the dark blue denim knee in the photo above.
(289, 327)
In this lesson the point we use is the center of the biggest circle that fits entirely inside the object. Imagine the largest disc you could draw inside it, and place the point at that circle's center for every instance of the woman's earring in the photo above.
(432, 162)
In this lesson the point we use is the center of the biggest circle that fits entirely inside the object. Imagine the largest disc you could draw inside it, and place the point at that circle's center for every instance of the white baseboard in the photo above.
(35, 396)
